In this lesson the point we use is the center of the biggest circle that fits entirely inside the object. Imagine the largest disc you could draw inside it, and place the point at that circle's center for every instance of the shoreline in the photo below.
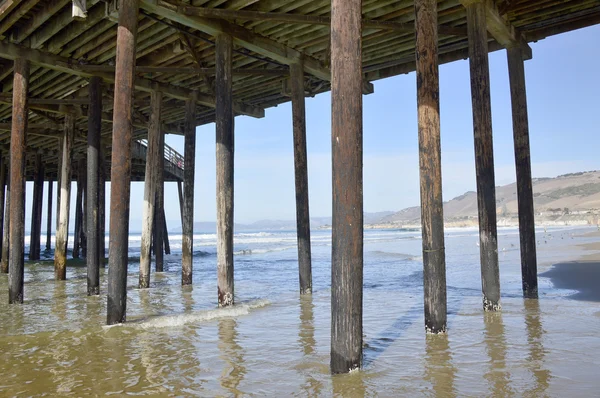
(581, 275)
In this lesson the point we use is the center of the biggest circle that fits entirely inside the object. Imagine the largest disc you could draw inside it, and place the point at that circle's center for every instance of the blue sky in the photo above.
(563, 92)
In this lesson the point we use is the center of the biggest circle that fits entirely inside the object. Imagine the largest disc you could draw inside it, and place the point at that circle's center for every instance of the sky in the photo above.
(563, 96)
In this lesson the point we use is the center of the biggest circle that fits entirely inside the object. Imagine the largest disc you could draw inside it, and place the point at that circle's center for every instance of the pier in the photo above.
(89, 89)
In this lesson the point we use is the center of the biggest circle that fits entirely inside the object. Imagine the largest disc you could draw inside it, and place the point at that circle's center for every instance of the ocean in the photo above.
(273, 342)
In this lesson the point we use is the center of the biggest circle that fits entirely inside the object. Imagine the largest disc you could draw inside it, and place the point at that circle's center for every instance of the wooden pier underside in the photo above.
(176, 55)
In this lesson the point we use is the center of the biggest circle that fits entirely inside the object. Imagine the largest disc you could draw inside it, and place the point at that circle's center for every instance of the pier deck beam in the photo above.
(432, 215)
(49, 216)
(516, 72)
(484, 153)
(17, 180)
(150, 185)
(187, 245)
(121, 161)
(347, 223)
(301, 176)
(64, 199)
(225, 169)
(92, 212)
(36, 209)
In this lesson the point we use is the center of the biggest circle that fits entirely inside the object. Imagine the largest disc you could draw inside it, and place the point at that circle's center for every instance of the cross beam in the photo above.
(67, 65)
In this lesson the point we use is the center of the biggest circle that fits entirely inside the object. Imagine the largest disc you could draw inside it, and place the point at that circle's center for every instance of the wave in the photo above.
(403, 256)
(246, 252)
(169, 321)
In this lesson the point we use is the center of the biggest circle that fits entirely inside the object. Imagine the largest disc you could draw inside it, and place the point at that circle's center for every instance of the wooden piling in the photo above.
(101, 210)
(347, 223)
(160, 205)
(2, 200)
(301, 177)
(150, 185)
(62, 223)
(225, 158)
(430, 166)
(18, 145)
(121, 161)
(516, 72)
(49, 216)
(484, 154)
(166, 244)
(188, 197)
(78, 210)
(36, 209)
(181, 206)
(93, 155)
(6, 227)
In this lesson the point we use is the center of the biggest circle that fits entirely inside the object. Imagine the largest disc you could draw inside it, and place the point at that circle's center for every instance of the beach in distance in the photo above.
(273, 342)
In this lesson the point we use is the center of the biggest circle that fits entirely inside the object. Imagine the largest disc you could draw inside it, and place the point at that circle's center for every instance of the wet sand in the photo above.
(582, 275)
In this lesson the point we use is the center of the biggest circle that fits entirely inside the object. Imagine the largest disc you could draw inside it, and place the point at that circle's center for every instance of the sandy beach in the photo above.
(581, 275)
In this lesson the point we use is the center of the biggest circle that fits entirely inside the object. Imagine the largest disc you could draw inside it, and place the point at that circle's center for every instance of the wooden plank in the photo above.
(41, 16)
(430, 166)
(64, 201)
(187, 246)
(262, 16)
(68, 65)
(225, 170)
(301, 177)
(93, 170)
(516, 72)
(347, 222)
(17, 181)
(121, 162)
(244, 37)
(148, 212)
(484, 155)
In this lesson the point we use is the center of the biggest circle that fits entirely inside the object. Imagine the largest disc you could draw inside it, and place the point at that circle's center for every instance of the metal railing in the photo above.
(174, 162)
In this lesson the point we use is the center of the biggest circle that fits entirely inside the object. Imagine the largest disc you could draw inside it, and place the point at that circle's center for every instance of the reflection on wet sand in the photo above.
(497, 376)
(306, 337)
(536, 357)
(350, 385)
(233, 355)
(439, 369)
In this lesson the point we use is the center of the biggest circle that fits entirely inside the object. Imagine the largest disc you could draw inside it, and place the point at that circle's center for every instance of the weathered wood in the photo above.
(49, 216)
(484, 155)
(17, 181)
(347, 178)
(180, 194)
(78, 210)
(2, 200)
(430, 166)
(166, 245)
(516, 72)
(36, 209)
(160, 205)
(101, 210)
(301, 177)
(5, 239)
(150, 187)
(225, 157)
(121, 161)
(187, 246)
(64, 199)
(93, 155)
(261, 16)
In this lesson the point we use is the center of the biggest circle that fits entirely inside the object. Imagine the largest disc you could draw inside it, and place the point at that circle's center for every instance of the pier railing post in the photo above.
(121, 161)
(150, 185)
(301, 176)
(484, 153)
(17, 180)
(225, 169)
(347, 175)
(187, 245)
(516, 72)
(62, 224)
(430, 165)
(93, 155)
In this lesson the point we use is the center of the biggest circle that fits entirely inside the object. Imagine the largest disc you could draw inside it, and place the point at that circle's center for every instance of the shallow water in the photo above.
(273, 342)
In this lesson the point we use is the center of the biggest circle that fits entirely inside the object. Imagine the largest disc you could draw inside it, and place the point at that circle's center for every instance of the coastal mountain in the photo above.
(566, 199)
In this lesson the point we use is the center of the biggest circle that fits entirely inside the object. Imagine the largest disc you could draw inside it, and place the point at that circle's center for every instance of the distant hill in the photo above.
(567, 199)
